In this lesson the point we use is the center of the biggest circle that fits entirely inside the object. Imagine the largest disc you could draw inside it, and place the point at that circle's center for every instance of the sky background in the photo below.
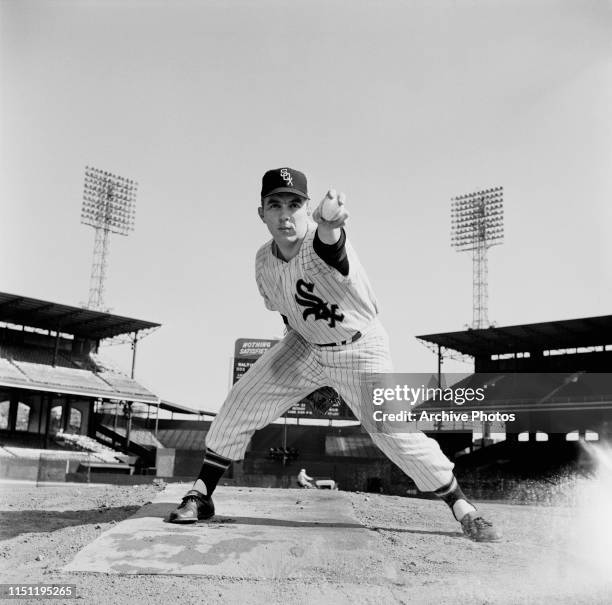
(401, 105)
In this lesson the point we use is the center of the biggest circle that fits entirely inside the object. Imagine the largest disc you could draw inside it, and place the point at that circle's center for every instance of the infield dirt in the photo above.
(549, 553)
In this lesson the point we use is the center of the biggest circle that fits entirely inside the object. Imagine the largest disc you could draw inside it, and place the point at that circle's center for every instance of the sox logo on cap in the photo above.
(286, 176)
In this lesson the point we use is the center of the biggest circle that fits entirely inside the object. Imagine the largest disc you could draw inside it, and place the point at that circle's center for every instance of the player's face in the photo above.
(286, 215)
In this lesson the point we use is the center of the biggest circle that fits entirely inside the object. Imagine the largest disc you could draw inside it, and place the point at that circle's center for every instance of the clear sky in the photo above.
(402, 105)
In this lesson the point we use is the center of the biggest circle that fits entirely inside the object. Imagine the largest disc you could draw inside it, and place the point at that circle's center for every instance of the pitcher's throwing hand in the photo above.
(331, 213)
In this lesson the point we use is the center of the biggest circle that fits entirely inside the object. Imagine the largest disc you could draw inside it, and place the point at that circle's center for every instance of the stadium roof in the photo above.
(549, 335)
(78, 321)
(183, 409)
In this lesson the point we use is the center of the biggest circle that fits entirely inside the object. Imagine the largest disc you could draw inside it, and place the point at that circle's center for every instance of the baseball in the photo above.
(330, 208)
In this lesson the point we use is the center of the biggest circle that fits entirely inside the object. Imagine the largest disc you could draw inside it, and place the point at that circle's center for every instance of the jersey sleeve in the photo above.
(333, 254)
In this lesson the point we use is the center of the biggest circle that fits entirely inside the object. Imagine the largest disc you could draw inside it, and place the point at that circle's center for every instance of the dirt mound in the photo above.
(548, 553)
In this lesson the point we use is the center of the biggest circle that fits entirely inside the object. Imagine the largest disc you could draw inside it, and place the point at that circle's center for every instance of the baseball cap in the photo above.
(284, 180)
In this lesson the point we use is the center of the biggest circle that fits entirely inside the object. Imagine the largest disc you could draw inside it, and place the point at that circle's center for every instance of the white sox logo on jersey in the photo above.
(316, 306)
(286, 176)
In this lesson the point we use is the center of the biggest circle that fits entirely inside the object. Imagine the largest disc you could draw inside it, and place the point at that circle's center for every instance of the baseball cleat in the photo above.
(479, 529)
(193, 507)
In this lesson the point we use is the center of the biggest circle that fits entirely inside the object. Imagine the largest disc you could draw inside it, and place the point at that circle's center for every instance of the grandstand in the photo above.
(53, 380)
(553, 376)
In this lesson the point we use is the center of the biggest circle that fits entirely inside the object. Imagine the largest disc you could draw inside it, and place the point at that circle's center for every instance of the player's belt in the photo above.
(355, 338)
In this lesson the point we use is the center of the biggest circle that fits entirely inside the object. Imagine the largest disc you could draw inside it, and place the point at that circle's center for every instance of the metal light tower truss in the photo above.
(109, 206)
(477, 223)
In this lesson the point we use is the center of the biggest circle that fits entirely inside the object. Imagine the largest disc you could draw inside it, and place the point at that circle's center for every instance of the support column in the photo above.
(65, 413)
(56, 348)
(134, 344)
(157, 419)
(47, 400)
(127, 410)
(91, 424)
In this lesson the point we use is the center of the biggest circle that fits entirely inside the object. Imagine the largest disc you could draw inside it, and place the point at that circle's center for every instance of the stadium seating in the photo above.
(34, 367)
(586, 386)
(353, 446)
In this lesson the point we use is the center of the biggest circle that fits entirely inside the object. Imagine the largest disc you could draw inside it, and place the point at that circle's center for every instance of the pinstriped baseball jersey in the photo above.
(319, 302)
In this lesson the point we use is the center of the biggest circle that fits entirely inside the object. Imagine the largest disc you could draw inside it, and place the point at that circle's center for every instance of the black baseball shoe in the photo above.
(194, 506)
(479, 529)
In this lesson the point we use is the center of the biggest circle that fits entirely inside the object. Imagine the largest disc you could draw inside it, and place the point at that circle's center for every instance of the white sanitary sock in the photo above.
(200, 486)
(461, 508)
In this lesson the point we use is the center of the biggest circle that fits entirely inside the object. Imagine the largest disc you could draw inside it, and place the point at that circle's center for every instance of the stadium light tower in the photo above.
(109, 207)
(477, 223)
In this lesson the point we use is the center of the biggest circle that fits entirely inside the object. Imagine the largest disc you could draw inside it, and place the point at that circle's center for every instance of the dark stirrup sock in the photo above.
(212, 470)
(452, 493)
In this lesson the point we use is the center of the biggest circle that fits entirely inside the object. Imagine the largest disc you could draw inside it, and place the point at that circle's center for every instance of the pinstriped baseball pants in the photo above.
(293, 369)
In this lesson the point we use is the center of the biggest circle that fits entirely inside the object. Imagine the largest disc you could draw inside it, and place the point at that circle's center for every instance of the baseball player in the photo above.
(303, 479)
(310, 274)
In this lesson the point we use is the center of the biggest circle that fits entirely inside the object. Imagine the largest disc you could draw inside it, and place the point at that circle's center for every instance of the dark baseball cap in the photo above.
(284, 180)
